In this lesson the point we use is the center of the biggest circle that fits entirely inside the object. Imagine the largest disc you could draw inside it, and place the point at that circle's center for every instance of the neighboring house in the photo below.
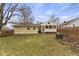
(7, 27)
(48, 27)
(72, 23)
(28, 28)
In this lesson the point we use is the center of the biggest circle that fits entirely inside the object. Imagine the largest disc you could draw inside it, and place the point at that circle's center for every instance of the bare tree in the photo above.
(7, 11)
(37, 22)
(55, 19)
(26, 14)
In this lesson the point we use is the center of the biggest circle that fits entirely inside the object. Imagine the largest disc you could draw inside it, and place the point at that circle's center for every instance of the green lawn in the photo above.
(33, 45)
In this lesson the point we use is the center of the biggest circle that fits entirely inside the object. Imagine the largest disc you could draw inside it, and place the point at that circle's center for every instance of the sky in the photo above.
(65, 11)
(43, 11)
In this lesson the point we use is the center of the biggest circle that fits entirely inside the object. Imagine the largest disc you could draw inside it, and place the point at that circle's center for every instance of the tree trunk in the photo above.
(1, 15)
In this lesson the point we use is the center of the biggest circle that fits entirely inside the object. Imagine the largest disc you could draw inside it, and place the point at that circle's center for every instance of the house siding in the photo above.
(75, 22)
(43, 29)
(24, 30)
(50, 30)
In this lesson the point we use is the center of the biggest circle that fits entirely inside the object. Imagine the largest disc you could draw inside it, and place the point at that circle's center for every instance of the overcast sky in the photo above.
(65, 11)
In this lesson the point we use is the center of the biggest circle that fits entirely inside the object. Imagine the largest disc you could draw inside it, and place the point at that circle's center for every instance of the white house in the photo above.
(48, 27)
(28, 28)
(72, 23)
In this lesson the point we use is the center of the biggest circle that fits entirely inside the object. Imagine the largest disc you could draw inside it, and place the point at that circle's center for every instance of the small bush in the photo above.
(6, 33)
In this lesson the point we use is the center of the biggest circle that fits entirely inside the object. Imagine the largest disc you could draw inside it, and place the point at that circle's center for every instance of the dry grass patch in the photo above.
(33, 45)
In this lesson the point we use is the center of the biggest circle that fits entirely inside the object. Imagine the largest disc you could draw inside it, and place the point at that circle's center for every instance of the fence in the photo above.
(70, 34)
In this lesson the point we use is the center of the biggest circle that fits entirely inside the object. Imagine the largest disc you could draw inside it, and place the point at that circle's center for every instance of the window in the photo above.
(50, 27)
(54, 27)
(46, 27)
(34, 28)
(28, 28)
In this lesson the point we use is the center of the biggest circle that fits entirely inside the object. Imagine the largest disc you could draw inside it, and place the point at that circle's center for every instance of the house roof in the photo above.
(27, 24)
(48, 23)
(73, 20)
